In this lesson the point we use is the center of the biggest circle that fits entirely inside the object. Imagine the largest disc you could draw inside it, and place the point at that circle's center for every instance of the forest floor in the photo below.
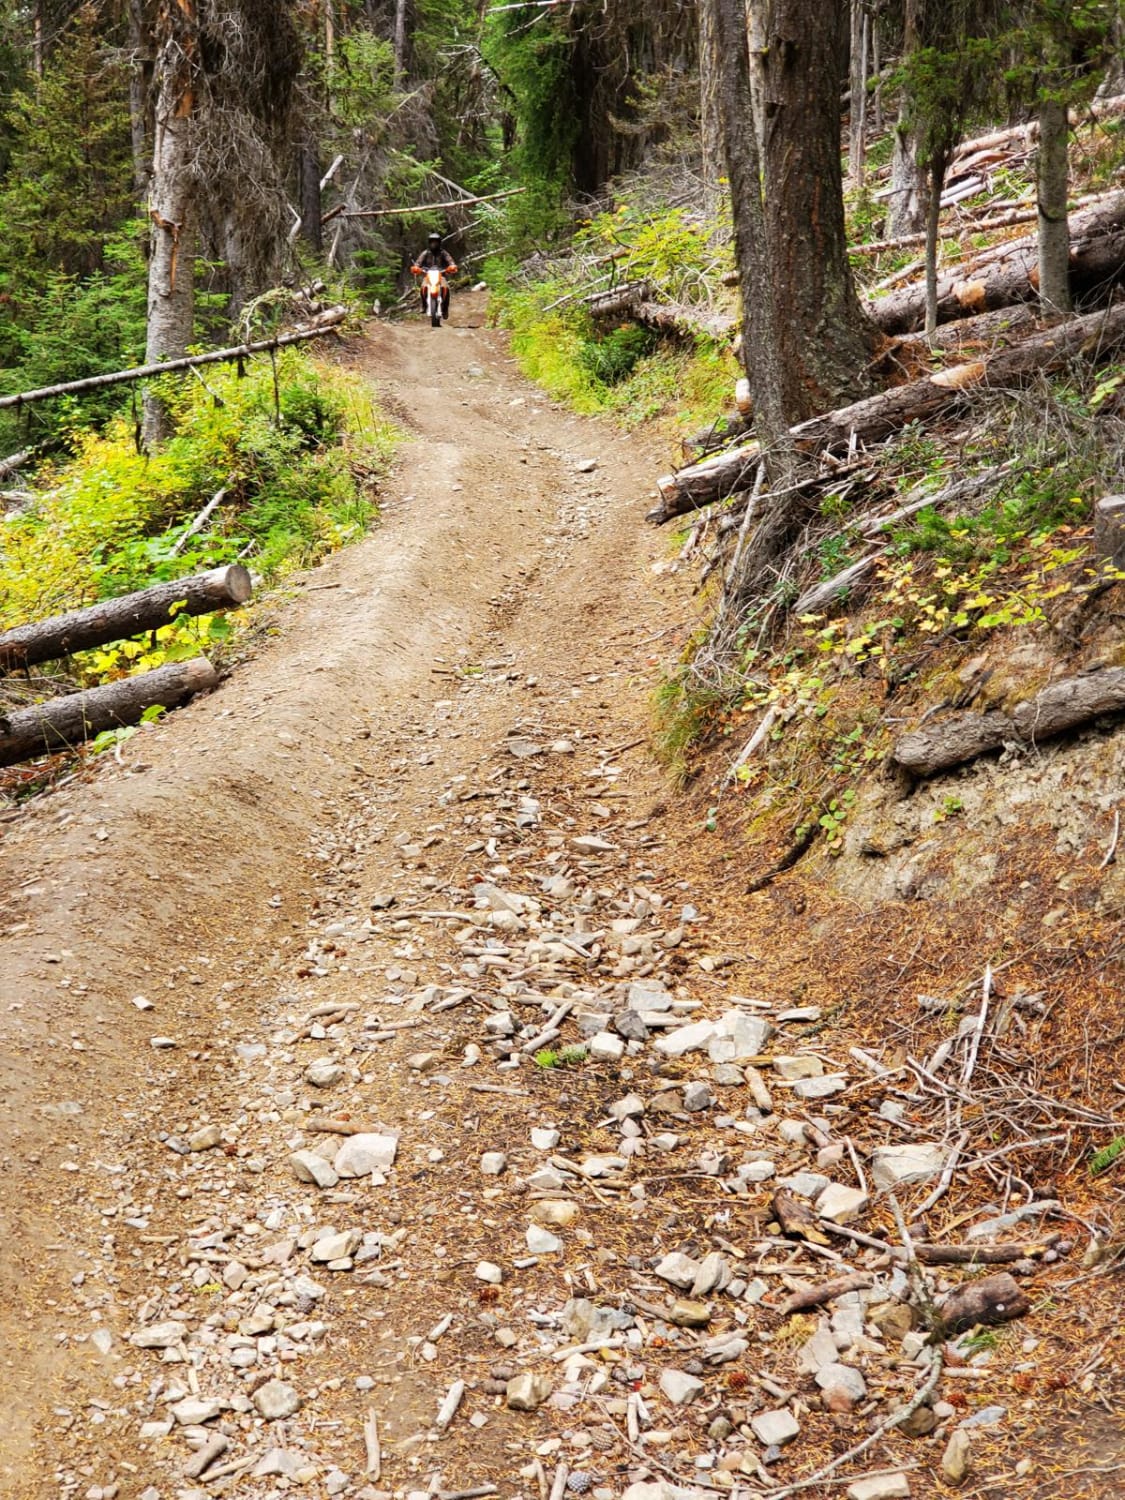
(421, 813)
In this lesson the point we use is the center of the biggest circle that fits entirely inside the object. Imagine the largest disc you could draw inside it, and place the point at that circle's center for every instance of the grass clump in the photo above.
(296, 465)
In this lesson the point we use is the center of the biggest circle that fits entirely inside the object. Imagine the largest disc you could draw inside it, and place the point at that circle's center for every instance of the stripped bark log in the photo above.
(64, 723)
(634, 301)
(326, 322)
(1064, 705)
(825, 1291)
(115, 619)
(617, 301)
(991, 1300)
(1097, 261)
(14, 461)
(1096, 335)
(848, 581)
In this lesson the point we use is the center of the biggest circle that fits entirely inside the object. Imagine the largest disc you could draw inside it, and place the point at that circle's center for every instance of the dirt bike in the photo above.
(435, 293)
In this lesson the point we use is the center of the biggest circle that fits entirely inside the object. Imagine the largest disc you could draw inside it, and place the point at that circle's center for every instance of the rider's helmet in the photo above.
(435, 240)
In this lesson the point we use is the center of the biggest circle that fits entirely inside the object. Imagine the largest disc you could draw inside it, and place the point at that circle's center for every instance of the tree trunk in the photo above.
(933, 226)
(991, 1300)
(710, 124)
(761, 342)
(140, 93)
(826, 339)
(308, 178)
(1096, 336)
(1011, 276)
(171, 272)
(857, 130)
(403, 31)
(64, 723)
(1052, 180)
(131, 614)
(907, 214)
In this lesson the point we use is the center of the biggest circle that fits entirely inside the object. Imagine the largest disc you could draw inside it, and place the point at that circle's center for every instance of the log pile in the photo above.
(1095, 336)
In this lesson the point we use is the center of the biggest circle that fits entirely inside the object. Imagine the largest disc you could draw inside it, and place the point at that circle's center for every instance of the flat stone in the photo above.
(894, 1319)
(819, 1088)
(957, 1458)
(557, 1212)
(841, 1204)
(592, 843)
(693, 1038)
(630, 1025)
(713, 1275)
(647, 995)
(805, 1065)
(545, 1138)
(363, 1154)
(686, 1313)
(678, 1269)
(605, 1047)
(988, 1416)
(817, 1352)
(527, 1392)
(541, 1241)
(192, 1412)
(309, 1167)
(275, 1400)
(843, 1386)
(547, 1180)
(159, 1335)
(740, 1037)
(336, 1246)
(697, 1097)
(756, 1171)
(487, 1271)
(628, 1108)
(805, 1184)
(206, 1138)
(601, 1166)
(680, 1387)
(277, 1461)
(891, 1165)
(775, 1428)
(880, 1487)
(324, 1072)
(492, 1163)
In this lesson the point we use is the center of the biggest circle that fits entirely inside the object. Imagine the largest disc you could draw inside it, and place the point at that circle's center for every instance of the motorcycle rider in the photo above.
(434, 255)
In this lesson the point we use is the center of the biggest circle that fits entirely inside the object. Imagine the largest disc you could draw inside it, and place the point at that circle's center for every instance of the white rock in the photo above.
(547, 1180)
(159, 1335)
(492, 1163)
(678, 1269)
(680, 1387)
(693, 1038)
(487, 1271)
(557, 1212)
(819, 1088)
(276, 1400)
(206, 1138)
(526, 1392)
(880, 1487)
(360, 1155)
(843, 1378)
(818, 1351)
(324, 1072)
(545, 1138)
(841, 1204)
(740, 1038)
(776, 1427)
(590, 843)
(309, 1167)
(605, 1047)
(601, 1166)
(805, 1065)
(191, 1412)
(336, 1246)
(541, 1241)
(891, 1165)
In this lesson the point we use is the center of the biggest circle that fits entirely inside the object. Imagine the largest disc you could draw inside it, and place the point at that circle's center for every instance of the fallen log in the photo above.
(1096, 335)
(14, 461)
(115, 619)
(616, 301)
(327, 322)
(1064, 705)
(64, 723)
(673, 317)
(991, 1300)
(1097, 261)
(825, 1291)
(419, 208)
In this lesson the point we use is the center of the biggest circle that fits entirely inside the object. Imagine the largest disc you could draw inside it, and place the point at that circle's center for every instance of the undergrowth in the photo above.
(296, 466)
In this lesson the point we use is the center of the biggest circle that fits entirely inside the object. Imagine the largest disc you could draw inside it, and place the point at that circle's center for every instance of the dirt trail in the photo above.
(503, 588)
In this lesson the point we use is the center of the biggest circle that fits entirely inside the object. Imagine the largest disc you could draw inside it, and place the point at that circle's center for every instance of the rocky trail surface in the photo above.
(395, 1106)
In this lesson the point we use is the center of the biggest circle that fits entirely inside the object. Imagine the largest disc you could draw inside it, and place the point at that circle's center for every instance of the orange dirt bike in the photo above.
(435, 293)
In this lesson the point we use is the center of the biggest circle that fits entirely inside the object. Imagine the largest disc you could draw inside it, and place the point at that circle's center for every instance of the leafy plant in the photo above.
(1102, 1160)
(565, 1057)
